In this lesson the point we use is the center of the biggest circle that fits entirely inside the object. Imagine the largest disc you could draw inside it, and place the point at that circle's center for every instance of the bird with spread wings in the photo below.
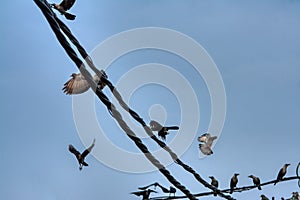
(78, 84)
(81, 156)
(63, 7)
(207, 141)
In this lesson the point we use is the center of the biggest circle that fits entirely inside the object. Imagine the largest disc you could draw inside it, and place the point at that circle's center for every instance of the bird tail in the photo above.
(172, 127)
(85, 164)
(70, 16)
(231, 191)
(259, 187)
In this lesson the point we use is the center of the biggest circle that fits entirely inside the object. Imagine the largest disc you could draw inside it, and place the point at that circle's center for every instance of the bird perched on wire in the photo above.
(215, 183)
(233, 182)
(281, 173)
(144, 193)
(207, 141)
(78, 84)
(63, 7)
(172, 191)
(256, 181)
(263, 197)
(162, 130)
(80, 157)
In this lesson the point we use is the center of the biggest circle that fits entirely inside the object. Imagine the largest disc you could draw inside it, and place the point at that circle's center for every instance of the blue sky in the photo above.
(255, 45)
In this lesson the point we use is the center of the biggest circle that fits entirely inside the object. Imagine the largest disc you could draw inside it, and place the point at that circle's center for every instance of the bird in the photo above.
(144, 193)
(256, 181)
(295, 196)
(63, 7)
(78, 84)
(162, 130)
(80, 157)
(207, 140)
(172, 191)
(233, 182)
(281, 173)
(153, 184)
(263, 197)
(214, 182)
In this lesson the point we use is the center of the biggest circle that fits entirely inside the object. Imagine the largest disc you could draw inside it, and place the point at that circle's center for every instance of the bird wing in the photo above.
(205, 149)
(67, 4)
(145, 187)
(74, 151)
(210, 140)
(155, 126)
(88, 150)
(76, 85)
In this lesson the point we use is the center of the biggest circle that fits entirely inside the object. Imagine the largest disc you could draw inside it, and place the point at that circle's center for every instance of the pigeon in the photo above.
(256, 181)
(281, 173)
(207, 141)
(233, 182)
(63, 7)
(78, 84)
(215, 183)
(80, 157)
(144, 193)
(162, 130)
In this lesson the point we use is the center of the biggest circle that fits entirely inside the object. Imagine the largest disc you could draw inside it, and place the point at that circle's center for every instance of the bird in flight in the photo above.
(162, 130)
(80, 157)
(144, 193)
(233, 182)
(63, 7)
(207, 141)
(281, 173)
(256, 181)
(78, 84)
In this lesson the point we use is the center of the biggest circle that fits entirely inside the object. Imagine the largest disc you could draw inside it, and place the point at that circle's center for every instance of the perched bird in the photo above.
(281, 173)
(80, 157)
(273, 198)
(172, 191)
(207, 140)
(295, 196)
(215, 183)
(63, 7)
(256, 181)
(162, 130)
(144, 193)
(263, 197)
(78, 84)
(233, 182)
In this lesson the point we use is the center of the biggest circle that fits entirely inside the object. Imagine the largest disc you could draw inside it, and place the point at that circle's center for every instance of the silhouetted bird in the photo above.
(215, 183)
(281, 173)
(273, 198)
(207, 140)
(144, 193)
(256, 181)
(63, 7)
(233, 182)
(263, 197)
(78, 84)
(80, 157)
(162, 130)
(172, 191)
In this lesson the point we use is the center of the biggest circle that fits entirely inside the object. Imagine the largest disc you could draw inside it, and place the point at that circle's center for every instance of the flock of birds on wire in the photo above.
(78, 85)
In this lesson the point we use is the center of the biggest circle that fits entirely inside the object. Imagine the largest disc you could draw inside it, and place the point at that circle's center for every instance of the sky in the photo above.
(254, 44)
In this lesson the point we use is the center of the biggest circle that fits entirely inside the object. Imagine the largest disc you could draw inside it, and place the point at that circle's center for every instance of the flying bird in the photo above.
(263, 197)
(233, 182)
(144, 193)
(78, 84)
(63, 7)
(162, 130)
(80, 157)
(207, 140)
(215, 183)
(256, 181)
(281, 173)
